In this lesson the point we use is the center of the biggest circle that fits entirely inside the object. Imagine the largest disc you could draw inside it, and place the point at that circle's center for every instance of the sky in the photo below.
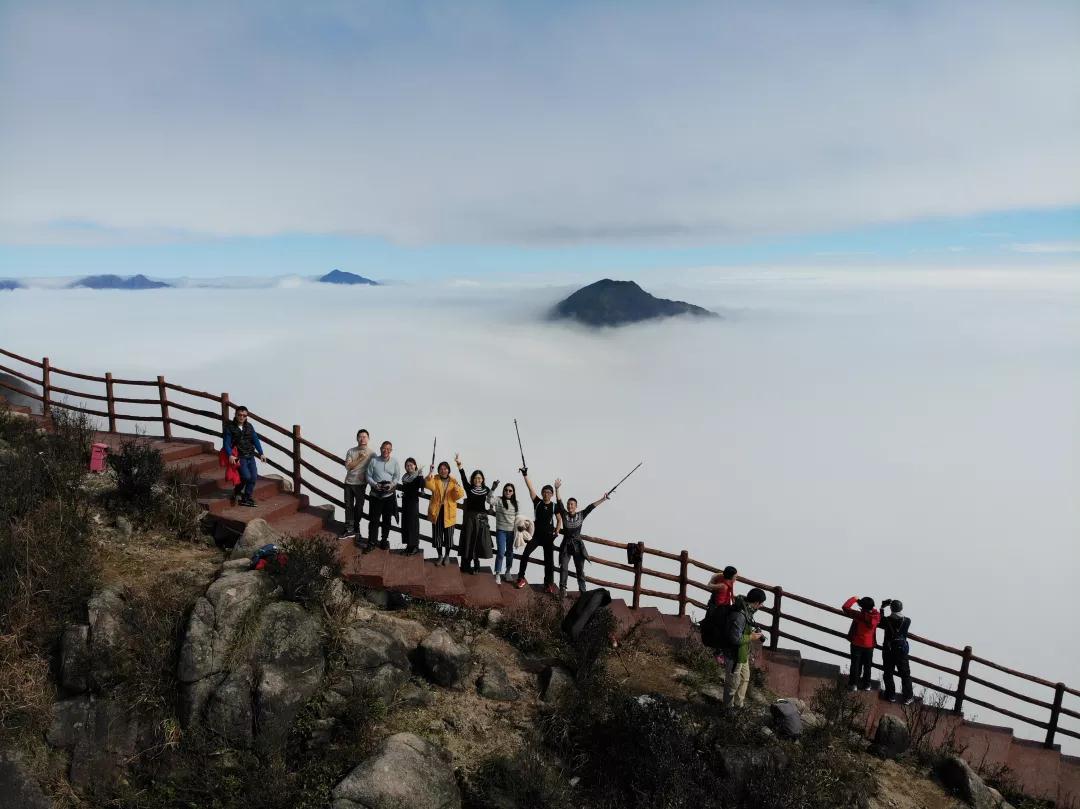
(415, 140)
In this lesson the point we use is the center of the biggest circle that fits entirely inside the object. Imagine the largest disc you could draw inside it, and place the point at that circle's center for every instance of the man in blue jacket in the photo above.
(240, 434)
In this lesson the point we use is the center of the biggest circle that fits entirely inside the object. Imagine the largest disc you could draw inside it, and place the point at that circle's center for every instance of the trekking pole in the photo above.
(628, 474)
(516, 430)
(434, 444)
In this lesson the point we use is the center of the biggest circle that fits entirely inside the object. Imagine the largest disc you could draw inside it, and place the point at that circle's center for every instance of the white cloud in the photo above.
(496, 123)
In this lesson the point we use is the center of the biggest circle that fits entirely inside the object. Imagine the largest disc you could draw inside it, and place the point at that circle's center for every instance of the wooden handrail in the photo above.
(637, 570)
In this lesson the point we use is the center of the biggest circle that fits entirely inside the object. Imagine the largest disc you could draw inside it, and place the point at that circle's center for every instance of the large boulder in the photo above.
(495, 684)
(444, 660)
(18, 789)
(376, 658)
(256, 534)
(891, 739)
(406, 772)
(215, 621)
(102, 735)
(107, 636)
(964, 782)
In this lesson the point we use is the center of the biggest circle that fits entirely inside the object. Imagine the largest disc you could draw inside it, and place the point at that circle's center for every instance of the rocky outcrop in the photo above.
(256, 534)
(959, 779)
(17, 786)
(376, 659)
(555, 684)
(891, 739)
(444, 660)
(107, 636)
(495, 684)
(102, 736)
(406, 773)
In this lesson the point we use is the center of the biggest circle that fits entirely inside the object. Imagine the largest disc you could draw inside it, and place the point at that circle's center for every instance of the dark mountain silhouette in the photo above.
(340, 277)
(10, 284)
(616, 303)
(117, 282)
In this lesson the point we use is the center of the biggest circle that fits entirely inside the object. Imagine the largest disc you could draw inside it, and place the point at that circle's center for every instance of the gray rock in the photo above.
(18, 789)
(124, 527)
(556, 683)
(495, 684)
(494, 617)
(891, 739)
(232, 566)
(230, 713)
(406, 773)
(711, 693)
(286, 483)
(379, 598)
(737, 763)
(256, 534)
(414, 696)
(962, 781)
(385, 682)
(289, 666)
(444, 660)
(107, 637)
(75, 658)
(367, 647)
(406, 630)
(215, 620)
(103, 736)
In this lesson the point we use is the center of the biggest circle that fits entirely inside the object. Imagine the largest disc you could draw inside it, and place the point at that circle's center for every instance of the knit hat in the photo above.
(897, 605)
(866, 603)
(756, 596)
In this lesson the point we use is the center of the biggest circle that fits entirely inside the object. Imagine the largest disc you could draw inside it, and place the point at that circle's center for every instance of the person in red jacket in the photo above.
(863, 632)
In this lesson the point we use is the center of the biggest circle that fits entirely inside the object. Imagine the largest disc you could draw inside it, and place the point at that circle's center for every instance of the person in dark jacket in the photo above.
(545, 527)
(862, 635)
(411, 484)
(740, 631)
(475, 531)
(895, 650)
(240, 433)
(572, 545)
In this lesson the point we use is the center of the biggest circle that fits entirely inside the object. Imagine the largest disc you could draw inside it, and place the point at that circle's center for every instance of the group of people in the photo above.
(730, 629)
(374, 480)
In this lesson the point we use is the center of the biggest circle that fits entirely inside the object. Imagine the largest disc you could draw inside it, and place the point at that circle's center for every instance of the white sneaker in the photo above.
(498, 578)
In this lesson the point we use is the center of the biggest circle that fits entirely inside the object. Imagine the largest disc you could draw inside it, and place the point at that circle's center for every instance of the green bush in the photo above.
(138, 467)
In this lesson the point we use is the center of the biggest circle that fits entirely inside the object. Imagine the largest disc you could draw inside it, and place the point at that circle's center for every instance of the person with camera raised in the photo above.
(739, 633)
(861, 634)
(383, 474)
(895, 650)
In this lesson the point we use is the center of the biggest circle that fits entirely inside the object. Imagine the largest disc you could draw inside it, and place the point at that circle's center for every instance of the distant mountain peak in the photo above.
(8, 284)
(118, 282)
(342, 277)
(618, 303)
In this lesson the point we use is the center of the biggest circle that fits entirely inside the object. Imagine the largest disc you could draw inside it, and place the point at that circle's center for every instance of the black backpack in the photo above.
(898, 644)
(714, 625)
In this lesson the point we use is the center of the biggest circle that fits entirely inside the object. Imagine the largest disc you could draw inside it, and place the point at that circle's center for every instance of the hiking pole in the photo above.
(516, 430)
(434, 444)
(628, 474)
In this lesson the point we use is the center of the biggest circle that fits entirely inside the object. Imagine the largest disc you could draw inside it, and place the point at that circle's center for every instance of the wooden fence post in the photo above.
(46, 399)
(774, 634)
(163, 395)
(109, 400)
(297, 470)
(638, 564)
(1055, 714)
(224, 410)
(961, 683)
(684, 566)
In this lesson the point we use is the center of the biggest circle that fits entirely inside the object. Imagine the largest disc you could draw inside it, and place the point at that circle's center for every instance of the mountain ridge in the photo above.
(619, 303)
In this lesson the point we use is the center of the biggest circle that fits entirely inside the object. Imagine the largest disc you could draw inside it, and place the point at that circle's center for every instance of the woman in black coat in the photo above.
(412, 482)
(475, 530)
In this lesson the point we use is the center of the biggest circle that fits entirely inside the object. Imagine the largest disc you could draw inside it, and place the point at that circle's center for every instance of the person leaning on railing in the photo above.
(240, 434)
(442, 509)
(383, 474)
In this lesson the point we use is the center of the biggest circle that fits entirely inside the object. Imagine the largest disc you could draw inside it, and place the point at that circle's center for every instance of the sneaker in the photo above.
(520, 582)
(498, 578)
(908, 701)
(867, 688)
(249, 502)
(551, 589)
(891, 699)
(347, 534)
(853, 688)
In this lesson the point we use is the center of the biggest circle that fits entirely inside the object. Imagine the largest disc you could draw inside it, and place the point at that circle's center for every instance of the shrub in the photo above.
(138, 467)
(923, 718)
(38, 465)
(532, 626)
(838, 708)
(699, 660)
(527, 778)
(310, 571)
(177, 510)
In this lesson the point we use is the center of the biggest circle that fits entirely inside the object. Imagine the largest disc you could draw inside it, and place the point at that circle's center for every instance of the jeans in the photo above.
(565, 554)
(548, 544)
(380, 510)
(861, 663)
(736, 679)
(897, 664)
(249, 475)
(354, 503)
(504, 549)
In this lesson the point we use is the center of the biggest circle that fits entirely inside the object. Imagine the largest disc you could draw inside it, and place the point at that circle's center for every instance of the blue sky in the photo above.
(420, 139)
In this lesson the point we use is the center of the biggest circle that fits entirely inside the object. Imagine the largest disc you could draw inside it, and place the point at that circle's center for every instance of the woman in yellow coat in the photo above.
(442, 509)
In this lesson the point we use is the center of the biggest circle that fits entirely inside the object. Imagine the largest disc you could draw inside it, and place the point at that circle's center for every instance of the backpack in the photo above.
(714, 625)
(898, 645)
(268, 555)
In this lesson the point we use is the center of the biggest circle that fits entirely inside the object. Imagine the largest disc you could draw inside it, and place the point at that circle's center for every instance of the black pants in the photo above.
(548, 544)
(861, 664)
(565, 555)
(380, 510)
(354, 503)
(897, 664)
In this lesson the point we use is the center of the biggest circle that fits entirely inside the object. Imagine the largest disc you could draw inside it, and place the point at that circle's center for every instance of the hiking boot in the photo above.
(520, 582)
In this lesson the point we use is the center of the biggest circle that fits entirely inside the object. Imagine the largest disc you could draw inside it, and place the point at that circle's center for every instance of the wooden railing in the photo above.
(306, 468)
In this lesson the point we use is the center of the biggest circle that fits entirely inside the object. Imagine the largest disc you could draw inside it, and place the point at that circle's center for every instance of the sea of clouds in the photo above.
(906, 434)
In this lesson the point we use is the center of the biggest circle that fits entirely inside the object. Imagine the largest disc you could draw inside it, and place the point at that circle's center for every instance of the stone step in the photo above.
(302, 525)
(443, 582)
(220, 500)
(482, 591)
(366, 569)
(280, 505)
(405, 574)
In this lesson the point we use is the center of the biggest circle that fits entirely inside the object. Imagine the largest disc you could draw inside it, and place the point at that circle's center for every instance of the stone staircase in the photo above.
(1043, 772)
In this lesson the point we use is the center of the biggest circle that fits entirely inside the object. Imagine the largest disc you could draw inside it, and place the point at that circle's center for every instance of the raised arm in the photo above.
(528, 483)
(848, 611)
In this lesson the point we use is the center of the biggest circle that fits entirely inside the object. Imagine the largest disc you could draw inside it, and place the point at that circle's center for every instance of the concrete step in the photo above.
(481, 590)
(443, 582)
(404, 574)
(281, 505)
(301, 525)
(220, 500)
